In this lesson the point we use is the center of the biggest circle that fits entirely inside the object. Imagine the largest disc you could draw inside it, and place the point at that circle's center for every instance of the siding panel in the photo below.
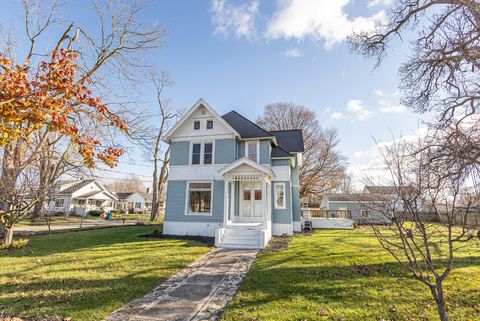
(225, 151)
(179, 153)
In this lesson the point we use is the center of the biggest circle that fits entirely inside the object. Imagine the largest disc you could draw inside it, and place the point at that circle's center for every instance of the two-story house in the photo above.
(232, 179)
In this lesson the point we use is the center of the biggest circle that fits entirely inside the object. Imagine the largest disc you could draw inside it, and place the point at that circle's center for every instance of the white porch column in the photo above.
(232, 201)
(225, 202)
(264, 201)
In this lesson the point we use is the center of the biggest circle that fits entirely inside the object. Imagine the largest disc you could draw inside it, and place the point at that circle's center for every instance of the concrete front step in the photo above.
(240, 238)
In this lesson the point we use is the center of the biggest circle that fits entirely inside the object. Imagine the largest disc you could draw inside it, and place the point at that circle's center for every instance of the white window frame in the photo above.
(199, 124)
(206, 124)
(202, 152)
(284, 206)
(63, 203)
(187, 200)
(248, 142)
(365, 213)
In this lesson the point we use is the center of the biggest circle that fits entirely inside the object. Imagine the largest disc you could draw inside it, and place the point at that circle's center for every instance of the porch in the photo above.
(247, 220)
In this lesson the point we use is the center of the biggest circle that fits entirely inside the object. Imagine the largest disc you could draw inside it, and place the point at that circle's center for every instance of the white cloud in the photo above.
(318, 19)
(388, 103)
(336, 115)
(294, 52)
(374, 3)
(358, 110)
(239, 20)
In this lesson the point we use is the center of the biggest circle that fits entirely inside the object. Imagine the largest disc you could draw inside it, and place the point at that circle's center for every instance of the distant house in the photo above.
(80, 196)
(359, 208)
(134, 202)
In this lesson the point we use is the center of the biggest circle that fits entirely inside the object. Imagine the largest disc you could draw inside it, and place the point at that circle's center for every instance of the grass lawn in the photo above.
(344, 275)
(87, 275)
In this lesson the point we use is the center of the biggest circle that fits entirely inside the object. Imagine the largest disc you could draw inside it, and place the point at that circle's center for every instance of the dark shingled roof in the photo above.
(278, 151)
(388, 190)
(245, 127)
(75, 187)
(123, 195)
(289, 141)
(355, 197)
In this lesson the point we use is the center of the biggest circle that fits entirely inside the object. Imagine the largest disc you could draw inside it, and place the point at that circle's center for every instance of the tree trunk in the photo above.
(439, 296)
(8, 236)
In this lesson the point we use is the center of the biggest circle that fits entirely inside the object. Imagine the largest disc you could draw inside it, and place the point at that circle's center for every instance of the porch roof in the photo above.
(245, 166)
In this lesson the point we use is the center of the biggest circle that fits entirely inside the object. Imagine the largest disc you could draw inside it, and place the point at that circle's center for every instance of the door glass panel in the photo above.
(247, 201)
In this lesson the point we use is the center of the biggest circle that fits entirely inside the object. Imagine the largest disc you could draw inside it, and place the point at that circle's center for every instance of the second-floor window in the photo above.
(196, 151)
(209, 124)
(252, 151)
(207, 153)
(202, 153)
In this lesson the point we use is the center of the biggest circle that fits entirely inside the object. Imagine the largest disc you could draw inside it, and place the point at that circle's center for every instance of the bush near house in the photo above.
(95, 212)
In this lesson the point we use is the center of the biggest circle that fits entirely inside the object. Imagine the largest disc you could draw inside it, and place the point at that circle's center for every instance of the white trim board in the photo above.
(190, 228)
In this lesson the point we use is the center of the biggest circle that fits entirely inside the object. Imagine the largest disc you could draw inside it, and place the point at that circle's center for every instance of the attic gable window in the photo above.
(196, 125)
(209, 124)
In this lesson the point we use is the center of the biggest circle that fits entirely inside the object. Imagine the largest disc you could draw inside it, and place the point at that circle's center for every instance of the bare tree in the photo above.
(117, 48)
(442, 73)
(154, 148)
(128, 184)
(323, 167)
(431, 214)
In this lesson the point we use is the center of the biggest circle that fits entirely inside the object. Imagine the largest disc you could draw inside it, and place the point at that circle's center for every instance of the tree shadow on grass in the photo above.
(369, 291)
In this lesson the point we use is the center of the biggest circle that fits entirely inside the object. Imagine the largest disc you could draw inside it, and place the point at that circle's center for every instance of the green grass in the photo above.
(87, 275)
(344, 275)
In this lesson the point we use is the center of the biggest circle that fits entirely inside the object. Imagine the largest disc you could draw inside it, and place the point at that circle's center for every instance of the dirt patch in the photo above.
(208, 241)
(277, 244)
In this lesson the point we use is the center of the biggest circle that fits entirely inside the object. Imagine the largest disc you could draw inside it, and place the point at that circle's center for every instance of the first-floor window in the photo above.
(59, 202)
(199, 198)
(138, 205)
(98, 203)
(365, 214)
(280, 195)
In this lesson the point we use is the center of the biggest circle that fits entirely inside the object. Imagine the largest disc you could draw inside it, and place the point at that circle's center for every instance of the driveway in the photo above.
(87, 223)
(200, 292)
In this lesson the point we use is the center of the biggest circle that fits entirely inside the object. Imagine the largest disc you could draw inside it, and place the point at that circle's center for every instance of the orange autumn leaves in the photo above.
(56, 97)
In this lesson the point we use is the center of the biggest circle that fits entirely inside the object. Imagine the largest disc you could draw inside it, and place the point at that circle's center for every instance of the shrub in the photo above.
(115, 211)
(16, 244)
(95, 212)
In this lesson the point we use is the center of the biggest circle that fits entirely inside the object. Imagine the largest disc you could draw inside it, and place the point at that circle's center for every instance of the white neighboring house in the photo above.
(138, 201)
(80, 196)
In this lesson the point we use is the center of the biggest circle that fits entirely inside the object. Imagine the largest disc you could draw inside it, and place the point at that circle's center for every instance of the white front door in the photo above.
(251, 202)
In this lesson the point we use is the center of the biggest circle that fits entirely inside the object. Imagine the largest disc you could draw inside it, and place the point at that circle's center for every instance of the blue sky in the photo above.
(243, 55)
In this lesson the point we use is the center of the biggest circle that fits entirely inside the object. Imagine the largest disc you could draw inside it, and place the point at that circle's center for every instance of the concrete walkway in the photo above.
(200, 292)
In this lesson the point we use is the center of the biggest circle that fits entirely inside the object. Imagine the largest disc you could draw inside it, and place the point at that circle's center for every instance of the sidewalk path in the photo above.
(31, 229)
(200, 292)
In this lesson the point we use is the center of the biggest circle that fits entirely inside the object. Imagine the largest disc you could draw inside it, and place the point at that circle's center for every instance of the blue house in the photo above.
(231, 179)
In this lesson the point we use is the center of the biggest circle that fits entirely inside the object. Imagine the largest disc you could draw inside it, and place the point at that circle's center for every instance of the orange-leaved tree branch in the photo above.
(52, 96)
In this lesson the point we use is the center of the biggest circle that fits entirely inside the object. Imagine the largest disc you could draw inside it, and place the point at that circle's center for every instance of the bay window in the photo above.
(252, 151)
(279, 191)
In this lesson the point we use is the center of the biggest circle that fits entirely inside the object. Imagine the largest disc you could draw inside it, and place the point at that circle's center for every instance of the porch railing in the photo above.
(321, 213)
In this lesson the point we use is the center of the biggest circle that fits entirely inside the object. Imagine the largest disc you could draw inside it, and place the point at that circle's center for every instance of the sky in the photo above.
(242, 55)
